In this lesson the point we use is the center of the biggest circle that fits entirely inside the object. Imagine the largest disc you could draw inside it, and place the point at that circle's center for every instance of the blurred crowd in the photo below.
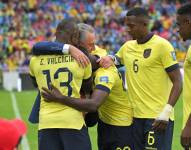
(25, 22)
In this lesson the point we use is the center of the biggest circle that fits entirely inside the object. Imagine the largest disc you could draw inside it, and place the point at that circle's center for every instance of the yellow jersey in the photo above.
(148, 83)
(187, 87)
(64, 72)
(116, 109)
(99, 51)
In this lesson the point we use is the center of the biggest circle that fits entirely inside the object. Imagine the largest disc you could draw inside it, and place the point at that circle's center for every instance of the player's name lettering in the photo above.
(60, 59)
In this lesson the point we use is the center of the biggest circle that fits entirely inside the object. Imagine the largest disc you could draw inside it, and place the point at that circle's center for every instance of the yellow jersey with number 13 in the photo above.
(64, 72)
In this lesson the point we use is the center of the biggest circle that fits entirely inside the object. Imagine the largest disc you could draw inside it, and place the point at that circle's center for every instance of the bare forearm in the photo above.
(175, 92)
(88, 105)
(188, 123)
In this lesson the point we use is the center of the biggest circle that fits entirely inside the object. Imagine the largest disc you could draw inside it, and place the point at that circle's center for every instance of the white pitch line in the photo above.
(24, 142)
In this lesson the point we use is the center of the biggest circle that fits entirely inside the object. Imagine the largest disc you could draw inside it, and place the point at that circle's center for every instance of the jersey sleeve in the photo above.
(88, 72)
(104, 81)
(119, 54)
(99, 52)
(188, 56)
(168, 57)
(47, 48)
(31, 64)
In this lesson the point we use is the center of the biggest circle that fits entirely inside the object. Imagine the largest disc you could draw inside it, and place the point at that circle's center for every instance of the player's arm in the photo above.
(87, 86)
(176, 79)
(90, 105)
(186, 134)
(117, 59)
(162, 120)
(171, 66)
(57, 48)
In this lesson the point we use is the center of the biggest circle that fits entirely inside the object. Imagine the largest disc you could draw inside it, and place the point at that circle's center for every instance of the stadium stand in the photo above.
(24, 22)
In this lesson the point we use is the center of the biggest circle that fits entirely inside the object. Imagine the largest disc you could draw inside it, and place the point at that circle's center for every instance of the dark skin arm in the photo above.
(176, 90)
(175, 77)
(89, 105)
(87, 86)
(186, 135)
(93, 60)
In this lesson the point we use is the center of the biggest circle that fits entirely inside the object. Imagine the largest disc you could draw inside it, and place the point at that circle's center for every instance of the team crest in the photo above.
(147, 53)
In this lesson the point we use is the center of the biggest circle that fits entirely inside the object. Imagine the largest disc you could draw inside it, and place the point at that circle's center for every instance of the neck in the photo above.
(144, 37)
(63, 39)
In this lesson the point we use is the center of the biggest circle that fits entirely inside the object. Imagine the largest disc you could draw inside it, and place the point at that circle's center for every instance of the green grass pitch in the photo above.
(25, 101)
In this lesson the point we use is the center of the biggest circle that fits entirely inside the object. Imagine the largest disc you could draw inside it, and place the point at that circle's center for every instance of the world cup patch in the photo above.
(104, 79)
(147, 53)
(173, 54)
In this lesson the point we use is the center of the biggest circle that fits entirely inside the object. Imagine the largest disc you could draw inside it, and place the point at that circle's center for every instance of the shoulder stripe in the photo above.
(171, 68)
(103, 88)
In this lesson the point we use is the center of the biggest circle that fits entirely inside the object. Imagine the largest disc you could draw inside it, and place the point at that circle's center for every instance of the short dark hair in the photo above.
(185, 9)
(138, 11)
(67, 31)
(67, 25)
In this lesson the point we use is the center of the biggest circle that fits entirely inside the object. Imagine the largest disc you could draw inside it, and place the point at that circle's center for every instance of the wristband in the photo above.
(115, 61)
(165, 114)
(65, 49)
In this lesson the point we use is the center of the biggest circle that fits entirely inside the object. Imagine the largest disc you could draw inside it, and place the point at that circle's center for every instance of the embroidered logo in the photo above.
(147, 53)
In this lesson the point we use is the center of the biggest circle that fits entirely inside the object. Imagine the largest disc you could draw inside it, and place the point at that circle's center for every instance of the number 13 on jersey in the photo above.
(56, 76)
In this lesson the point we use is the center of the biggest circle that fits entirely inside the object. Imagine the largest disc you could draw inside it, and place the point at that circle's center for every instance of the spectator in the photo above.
(38, 22)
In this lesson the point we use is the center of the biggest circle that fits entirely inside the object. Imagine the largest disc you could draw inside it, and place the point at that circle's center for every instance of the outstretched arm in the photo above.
(57, 48)
(49, 48)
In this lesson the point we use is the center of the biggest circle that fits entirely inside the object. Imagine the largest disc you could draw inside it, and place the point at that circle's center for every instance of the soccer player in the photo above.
(184, 25)
(153, 79)
(60, 126)
(108, 97)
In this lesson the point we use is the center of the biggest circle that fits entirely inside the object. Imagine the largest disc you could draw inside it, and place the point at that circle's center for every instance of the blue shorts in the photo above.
(147, 139)
(64, 139)
(114, 137)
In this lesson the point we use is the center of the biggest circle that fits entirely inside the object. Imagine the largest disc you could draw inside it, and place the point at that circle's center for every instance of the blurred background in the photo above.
(25, 22)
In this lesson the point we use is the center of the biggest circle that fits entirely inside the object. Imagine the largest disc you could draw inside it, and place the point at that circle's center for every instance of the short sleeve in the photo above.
(119, 54)
(168, 57)
(188, 55)
(31, 64)
(104, 80)
(88, 72)
(99, 52)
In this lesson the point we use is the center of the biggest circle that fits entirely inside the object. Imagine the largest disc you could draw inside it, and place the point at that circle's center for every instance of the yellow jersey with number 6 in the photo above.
(64, 72)
(187, 87)
(148, 83)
